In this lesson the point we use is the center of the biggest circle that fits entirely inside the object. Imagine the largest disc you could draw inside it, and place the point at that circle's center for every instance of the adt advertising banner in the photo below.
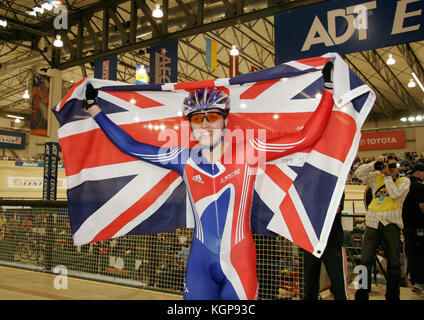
(164, 62)
(382, 140)
(347, 26)
(12, 139)
(106, 68)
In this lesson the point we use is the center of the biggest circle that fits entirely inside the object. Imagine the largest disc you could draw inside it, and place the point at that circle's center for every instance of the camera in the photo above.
(379, 165)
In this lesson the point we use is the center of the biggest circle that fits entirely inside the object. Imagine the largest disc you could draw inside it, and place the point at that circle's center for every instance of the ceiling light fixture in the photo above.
(26, 94)
(418, 81)
(15, 117)
(411, 119)
(47, 6)
(390, 60)
(411, 83)
(38, 9)
(403, 119)
(3, 23)
(31, 13)
(418, 118)
(143, 35)
(157, 13)
(234, 51)
(58, 43)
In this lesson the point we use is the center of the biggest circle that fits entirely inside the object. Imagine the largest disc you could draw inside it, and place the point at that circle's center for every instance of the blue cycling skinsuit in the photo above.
(222, 259)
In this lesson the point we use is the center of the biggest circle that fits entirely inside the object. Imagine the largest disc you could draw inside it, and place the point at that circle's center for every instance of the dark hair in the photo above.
(418, 167)
(392, 157)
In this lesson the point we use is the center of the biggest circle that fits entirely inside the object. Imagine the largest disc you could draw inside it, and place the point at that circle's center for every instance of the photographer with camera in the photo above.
(383, 220)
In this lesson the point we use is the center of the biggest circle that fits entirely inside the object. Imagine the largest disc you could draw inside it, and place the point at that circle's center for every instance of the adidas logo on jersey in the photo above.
(198, 178)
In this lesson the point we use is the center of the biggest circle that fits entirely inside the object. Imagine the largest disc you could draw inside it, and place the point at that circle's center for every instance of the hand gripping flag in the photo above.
(111, 194)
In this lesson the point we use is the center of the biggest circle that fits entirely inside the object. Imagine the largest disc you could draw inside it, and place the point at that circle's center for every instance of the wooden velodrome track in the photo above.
(18, 284)
(23, 180)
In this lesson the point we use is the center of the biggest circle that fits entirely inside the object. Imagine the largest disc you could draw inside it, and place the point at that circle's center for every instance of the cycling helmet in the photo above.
(204, 99)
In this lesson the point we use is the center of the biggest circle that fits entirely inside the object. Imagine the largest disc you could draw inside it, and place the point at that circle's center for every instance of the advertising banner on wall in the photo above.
(382, 140)
(51, 159)
(164, 62)
(12, 139)
(40, 104)
(346, 26)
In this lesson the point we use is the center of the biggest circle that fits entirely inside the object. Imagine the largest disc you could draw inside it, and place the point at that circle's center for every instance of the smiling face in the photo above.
(207, 126)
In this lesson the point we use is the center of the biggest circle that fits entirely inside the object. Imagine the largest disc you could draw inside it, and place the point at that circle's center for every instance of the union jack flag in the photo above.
(111, 194)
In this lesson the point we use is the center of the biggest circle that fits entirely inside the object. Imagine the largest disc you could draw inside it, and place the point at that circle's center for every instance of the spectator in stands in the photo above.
(183, 254)
(383, 221)
(413, 220)
(3, 222)
(268, 269)
(334, 259)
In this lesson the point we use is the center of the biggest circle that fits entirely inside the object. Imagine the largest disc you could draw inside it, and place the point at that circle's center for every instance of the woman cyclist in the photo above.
(219, 177)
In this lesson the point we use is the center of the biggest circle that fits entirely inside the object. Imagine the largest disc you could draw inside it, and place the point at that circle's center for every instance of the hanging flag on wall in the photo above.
(141, 75)
(211, 53)
(40, 105)
(234, 71)
(164, 62)
(106, 68)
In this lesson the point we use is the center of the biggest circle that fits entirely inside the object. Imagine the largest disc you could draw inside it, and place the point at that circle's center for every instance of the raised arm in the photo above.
(305, 138)
(310, 133)
(169, 158)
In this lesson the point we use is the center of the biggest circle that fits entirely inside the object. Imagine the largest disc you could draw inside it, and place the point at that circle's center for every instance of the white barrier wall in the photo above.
(26, 181)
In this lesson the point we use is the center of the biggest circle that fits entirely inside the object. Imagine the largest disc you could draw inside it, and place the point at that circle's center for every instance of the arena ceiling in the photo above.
(97, 29)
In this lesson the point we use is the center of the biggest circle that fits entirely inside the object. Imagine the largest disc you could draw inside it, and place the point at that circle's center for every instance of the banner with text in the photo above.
(347, 26)
(51, 159)
(382, 140)
(12, 139)
(164, 62)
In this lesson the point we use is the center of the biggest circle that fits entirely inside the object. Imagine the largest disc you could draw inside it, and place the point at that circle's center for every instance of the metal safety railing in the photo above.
(36, 235)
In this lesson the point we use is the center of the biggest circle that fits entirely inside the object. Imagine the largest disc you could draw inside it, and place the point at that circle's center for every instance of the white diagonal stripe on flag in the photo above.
(150, 210)
(325, 163)
(112, 171)
(77, 127)
(113, 208)
(272, 195)
(303, 216)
